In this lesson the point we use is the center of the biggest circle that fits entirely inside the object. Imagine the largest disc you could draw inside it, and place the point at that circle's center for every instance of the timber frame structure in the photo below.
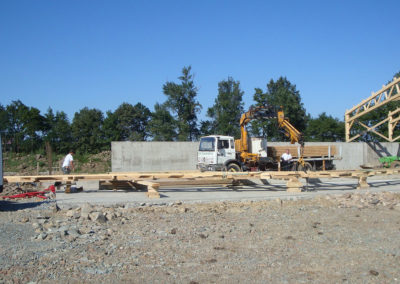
(152, 181)
(388, 93)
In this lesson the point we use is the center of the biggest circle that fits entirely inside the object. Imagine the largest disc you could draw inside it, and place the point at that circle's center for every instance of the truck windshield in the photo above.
(207, 144)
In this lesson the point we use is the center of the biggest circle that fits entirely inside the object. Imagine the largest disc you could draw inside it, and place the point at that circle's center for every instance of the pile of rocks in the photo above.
(75, 224)
(11, 189)
(367, 200)
(89, 221)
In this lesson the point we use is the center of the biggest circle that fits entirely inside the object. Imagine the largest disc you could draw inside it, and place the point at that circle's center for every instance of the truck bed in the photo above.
(328, 151)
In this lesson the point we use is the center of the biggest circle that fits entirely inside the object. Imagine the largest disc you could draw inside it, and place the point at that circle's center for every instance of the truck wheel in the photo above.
(233, 168)
(307, 167)
(395, 164)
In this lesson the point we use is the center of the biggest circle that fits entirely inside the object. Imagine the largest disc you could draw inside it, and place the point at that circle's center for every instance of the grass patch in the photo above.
(27, 164)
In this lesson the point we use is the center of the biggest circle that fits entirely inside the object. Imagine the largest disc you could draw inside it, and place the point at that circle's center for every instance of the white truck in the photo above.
(217, 152)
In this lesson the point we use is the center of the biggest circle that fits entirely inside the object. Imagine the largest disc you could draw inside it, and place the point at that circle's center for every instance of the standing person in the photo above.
(286, 160)
(68, 163)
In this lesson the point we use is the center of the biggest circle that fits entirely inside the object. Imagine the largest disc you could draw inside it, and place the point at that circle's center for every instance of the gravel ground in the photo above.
(350, 238)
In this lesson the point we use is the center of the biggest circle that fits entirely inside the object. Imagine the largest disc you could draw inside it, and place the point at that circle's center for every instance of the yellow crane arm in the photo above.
(266, 112)
(290, 131)
(263, 112)
(244, 120)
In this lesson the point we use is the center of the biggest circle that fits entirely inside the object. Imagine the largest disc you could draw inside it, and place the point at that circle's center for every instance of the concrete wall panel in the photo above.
(176, 156)
(153, 156)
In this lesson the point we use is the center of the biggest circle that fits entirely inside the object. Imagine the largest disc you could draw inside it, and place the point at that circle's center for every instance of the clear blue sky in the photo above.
(71, 54)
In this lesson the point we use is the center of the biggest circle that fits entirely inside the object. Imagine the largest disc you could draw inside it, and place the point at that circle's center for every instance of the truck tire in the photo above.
(233, 168)
(307, 167)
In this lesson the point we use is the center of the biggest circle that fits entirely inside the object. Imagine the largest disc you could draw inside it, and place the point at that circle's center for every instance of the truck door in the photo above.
(231, 153)
(225, 152)
(207, 154)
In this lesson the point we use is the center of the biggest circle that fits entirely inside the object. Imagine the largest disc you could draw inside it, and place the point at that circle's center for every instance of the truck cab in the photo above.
(216, 153)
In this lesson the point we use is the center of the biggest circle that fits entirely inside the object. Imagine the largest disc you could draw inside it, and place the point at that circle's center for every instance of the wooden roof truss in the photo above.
(388, 93)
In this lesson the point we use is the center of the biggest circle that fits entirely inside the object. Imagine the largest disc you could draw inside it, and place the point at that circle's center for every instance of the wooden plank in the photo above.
(362, 183)
(294, 185)
(152, 188)
(196, 182)
(198, 176)
(204, 178)
(309, 151)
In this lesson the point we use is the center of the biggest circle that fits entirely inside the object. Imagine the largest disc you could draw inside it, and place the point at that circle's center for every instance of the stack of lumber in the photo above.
(309, 151)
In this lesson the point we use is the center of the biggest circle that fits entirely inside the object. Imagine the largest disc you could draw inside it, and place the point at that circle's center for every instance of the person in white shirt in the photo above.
(68, 163)
(286, 160)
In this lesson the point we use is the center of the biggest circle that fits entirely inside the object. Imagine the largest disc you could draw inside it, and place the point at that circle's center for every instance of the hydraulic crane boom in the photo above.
(289, 130)
(266, 112)
(259, 112)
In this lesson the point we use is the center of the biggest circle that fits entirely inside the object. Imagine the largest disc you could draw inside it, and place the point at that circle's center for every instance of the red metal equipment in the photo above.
(40, 194)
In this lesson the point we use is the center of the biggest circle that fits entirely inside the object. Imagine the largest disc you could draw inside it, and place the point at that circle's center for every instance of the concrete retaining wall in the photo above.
(153, 156)
(175, 156)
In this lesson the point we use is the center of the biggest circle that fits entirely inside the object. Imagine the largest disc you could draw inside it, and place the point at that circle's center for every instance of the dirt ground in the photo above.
(351, 238)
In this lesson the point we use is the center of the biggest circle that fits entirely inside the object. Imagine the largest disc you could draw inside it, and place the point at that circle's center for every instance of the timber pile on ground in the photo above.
(152, 181)
(346, 238)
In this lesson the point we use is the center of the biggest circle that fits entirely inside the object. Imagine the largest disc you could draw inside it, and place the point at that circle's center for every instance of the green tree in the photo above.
(124, 116)
(162, 126)
(142, 115)
(127, 123)
(111, 131)
(3, 119)
(227, 109)
(280, 93)
(87, 130)
(324, 128)
(16, 112)
(181, 100)
(58, 131)
(24, 127)
(131, 121)
(206, 128)
(34, 125)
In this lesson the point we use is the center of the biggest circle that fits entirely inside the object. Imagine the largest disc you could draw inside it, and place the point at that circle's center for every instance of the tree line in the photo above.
(24, 129)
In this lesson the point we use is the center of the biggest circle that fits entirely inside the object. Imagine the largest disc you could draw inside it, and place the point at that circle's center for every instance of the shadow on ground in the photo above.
(8, 205)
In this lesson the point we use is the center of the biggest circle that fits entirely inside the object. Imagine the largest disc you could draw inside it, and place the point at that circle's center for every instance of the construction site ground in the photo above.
(259, 233)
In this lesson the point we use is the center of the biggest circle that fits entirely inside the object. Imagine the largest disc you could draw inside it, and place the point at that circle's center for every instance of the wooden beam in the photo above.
(376, 100)
(294, 185)
(206, 178)
(152, 188)
(362, 182)
(373, 130)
